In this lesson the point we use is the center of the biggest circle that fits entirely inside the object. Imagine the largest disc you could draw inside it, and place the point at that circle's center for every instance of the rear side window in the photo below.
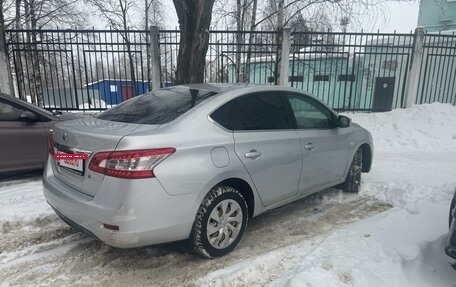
(158, 107)
(226, 115)
(265, 111)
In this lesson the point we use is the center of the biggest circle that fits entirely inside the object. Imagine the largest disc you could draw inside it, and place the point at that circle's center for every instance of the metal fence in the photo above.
(227, 55)
(78, 69)
(437, 78)
(96, 69)
(352, 71)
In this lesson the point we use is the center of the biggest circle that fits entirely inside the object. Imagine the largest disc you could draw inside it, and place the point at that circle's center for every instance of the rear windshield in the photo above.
(158, 107)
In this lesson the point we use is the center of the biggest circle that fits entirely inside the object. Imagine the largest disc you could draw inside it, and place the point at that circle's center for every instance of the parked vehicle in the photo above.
(195, 162)
(24, 131)
(450, 249)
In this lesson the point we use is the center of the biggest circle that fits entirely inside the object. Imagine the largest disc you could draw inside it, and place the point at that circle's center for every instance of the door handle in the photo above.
(253, 154)
(309, 146)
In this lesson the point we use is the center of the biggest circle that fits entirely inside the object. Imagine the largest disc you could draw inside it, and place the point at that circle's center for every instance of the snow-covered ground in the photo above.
(391, 234)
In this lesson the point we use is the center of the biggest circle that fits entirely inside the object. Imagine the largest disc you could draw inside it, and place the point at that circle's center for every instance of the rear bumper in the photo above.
(144, 212)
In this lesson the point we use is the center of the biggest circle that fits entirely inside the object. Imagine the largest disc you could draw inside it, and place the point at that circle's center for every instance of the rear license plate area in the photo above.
(70, 161)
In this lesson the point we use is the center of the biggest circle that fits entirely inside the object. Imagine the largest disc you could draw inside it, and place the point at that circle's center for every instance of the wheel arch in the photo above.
(245, 189)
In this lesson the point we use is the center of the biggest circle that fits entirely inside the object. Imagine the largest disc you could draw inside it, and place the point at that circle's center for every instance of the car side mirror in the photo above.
(343, 121)
(28, 116)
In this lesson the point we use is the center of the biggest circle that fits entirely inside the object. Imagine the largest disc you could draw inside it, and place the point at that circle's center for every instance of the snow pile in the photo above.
(96, 104)
(28, 202)
(422, 127)
(394, 248)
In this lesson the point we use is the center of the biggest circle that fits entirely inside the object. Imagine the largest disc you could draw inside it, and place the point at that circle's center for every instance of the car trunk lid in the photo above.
(88, 135)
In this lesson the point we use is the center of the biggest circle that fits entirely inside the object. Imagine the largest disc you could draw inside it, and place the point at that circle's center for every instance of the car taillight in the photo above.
(51, 143)
(130, 163)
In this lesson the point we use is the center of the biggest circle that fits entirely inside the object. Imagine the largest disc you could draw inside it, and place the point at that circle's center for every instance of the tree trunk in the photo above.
(18, 65)
(5, 76)
(2, 19)
(147, 28)
(132, 67)
(238, 40)
(194, 21)
(251, 39)
(36, 71)
(280, 23)
(18, 13)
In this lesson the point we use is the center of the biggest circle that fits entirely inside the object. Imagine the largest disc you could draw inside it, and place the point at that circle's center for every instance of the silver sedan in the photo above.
(196, 162)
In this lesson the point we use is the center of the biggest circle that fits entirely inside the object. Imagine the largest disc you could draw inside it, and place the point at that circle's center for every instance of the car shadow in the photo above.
(12, 178)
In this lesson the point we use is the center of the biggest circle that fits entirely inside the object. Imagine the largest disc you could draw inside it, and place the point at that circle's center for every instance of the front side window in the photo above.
(310, 114)
(9, 112)
(262, 111)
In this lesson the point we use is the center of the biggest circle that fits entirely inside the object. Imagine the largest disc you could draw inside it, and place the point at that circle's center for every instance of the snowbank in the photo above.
(429, 127)
(385, 250)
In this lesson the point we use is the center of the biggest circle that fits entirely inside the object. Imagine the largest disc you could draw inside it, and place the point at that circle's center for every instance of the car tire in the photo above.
(220, 222)
(353, 181)
(450, 216)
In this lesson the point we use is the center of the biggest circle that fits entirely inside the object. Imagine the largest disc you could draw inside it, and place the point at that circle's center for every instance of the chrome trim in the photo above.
(61, 147)
(217, 124)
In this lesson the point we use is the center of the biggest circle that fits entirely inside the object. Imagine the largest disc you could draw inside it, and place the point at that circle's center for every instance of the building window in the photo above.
(271, 79)
(347, 78)
(113, 88)
(321, 78)
(295, 79)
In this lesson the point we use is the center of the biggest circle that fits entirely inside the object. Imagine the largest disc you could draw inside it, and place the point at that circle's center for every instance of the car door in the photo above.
(23, 144)
(324, 145)
(268, 146)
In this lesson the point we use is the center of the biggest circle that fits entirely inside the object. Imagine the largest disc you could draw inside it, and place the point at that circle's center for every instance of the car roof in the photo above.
(3, 95)
(217, 87)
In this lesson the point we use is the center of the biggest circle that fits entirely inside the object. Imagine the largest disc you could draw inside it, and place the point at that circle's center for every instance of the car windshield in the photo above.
(158, 107)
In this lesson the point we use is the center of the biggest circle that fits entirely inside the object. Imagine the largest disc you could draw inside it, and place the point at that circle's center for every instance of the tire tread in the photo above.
(196, 237)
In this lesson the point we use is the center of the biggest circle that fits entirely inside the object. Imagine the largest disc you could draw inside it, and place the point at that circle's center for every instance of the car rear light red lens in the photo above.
(129, 164)
(51, 143)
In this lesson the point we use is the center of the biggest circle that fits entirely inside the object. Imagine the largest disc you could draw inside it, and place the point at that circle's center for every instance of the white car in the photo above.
(195, 162)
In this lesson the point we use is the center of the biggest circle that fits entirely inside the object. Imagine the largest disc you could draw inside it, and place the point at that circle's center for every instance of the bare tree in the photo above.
(247, 67)
(194, 20)
(2, 14)
(34, 15)
(243, 17)
(154, 13)
(37, 14)
(118, 13)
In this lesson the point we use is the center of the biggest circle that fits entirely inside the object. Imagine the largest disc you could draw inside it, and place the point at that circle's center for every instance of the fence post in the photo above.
(284, 57)
(154, 52)
(5, 69)
(413, 75)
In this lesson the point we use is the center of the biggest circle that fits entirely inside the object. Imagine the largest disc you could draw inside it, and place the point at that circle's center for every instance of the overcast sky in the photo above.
(400, 16)
(403, 16)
